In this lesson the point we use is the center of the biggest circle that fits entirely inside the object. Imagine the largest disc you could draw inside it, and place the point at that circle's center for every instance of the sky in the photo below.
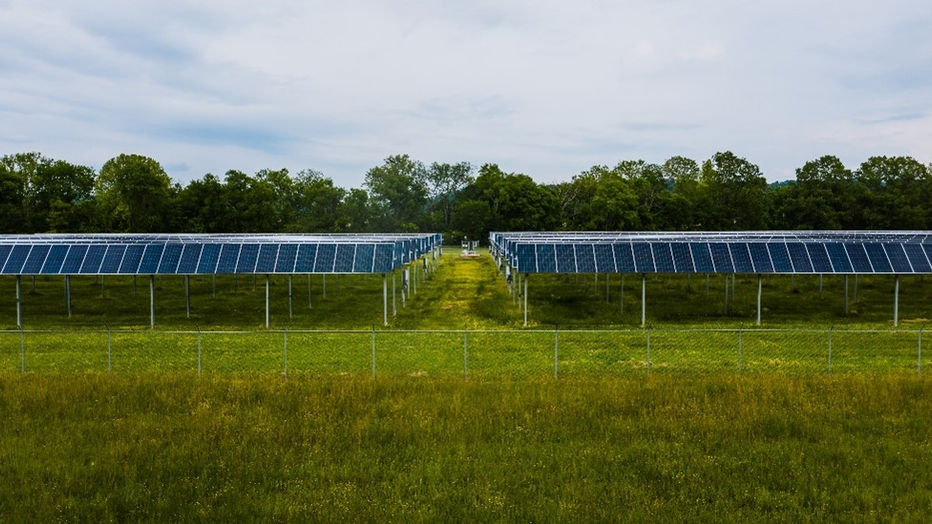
(544, 88)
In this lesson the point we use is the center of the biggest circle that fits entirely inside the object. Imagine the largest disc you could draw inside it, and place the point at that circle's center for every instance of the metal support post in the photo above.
(266, 301)
(643, 300)
(384, 300)
(323, 285)
(19, 302)
(68, 294)
(820, 285)
(896, 301)
(525, 299)
(187, 296)
(758, 298)
(394, 307)
(607, 289)
(621, 300)
(290, 297)
(846, 295)
(726, 295)
(152, 301)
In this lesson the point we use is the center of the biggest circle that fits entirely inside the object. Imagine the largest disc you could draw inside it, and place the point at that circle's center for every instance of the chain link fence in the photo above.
(534, 353)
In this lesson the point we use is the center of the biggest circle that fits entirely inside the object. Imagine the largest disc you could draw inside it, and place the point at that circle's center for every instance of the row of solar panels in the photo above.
(722, 257)
(195, 258)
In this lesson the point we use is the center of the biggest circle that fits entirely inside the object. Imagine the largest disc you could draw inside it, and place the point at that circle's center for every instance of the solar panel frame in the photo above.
(55, 260)
(16, 259)
(151, 258)
(36, 259)
(624, 257)
(897, 257)
(643, 257)
(663, 257)
(702, 257)
(917, 258)
(132, 258)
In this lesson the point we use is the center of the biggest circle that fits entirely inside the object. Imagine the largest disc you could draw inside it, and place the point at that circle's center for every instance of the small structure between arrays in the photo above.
(520, 254)
(186, 255)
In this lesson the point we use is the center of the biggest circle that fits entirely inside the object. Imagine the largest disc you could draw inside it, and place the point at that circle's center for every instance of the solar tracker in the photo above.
(190, 254)
(743, 252)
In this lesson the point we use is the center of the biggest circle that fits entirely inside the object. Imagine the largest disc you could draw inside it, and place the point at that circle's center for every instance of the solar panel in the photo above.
(229, 254)
(760, 257)
(546, 258)
(53, 263)
(878, 258)
(780, 257)
(721, 258)
(897, 257)
(35, 260)
(4, 254)
(819, 257)
(643, 259)
(702, 257)
(74, 259)
(526, 258)
(681, 258)
(585, 258)
(16, 259)
(131, 259)
(566, 260)
(266, 261)
(325, 256)
(663, 257)
(858, 257)
(304, 262)
(150, 259)
(246, 263)
(917, 258)
(170, 258)
(344, 258)
(383, 258)
(210, 256)
(624, 258)
(93, 259)
(741, 258)
(365, 255)
(112, 258)
(800, 257)
(838, 257)
(604, 259)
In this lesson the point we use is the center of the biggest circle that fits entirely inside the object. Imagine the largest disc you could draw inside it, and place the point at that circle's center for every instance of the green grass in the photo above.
(178, 448)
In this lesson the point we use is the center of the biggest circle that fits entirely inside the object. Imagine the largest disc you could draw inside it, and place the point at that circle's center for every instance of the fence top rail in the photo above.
(749, 330)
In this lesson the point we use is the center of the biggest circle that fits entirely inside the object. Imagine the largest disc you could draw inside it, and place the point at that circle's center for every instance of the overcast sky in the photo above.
(543, 88)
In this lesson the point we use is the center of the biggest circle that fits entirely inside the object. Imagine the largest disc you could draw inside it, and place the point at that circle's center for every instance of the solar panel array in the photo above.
(113, 254)
(754, 252)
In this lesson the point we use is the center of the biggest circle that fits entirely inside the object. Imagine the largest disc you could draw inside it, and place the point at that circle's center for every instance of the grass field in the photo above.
(621, 435)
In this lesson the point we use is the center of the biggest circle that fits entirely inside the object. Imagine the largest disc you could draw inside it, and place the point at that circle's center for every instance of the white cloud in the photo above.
(548, 88)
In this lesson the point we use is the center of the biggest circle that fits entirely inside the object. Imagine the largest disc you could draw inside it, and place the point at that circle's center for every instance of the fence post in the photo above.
(109, 351)
(648, 350)
(465, 358)
(740, 348)
(22, 351)
(285, 339)
(373, 351)
(831, 332)
(198, 328)
(556, 350)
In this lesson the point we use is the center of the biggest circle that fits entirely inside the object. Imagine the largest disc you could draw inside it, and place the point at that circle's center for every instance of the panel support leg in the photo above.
(323, 286)
(68, 294)
(309, 305)
(384, 300)
(525, 299)
(758, 298)
(152, 301)
(290, 297)
(394, 306)
(846, 295)
(19, 302)
(187, 296)
(896, 301)
(266, 301)
(643, 300)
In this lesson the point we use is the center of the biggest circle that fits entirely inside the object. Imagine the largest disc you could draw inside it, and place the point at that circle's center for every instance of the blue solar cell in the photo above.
(585, 258)
(150, 259)
(819, 257)
(383, 259)
(566, 260)
(4, 254)
(344, 258)
(526, 258)
(365, 256)
(878, 258)
(838, 257)
(266, 260)
(663, 257)
(681, 258)
(643, 259)
(189, 258)
(246, 263)
(546, 258)
(35, 260)
(170, 257)
(624, 258)
(741, 258)
(780, 257)
(92, 260)
(897, 258)
(112, 259)
(229, 254)
(760, 257)
(928, 250)
(325, 256)
(306, 253)
(702, 258)
(604, 259)
(56, 258)
(14, 263)
(800, 257)
(858, 258)
(210, 255)
(287, 254)
(74, 259)
(917, 258)
(131, 259)
(721, 258)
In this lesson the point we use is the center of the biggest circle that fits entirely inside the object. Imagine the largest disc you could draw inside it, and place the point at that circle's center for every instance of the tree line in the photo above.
(133, 193)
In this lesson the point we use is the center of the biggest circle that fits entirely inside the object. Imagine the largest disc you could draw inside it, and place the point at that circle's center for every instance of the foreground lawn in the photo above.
(171, 447)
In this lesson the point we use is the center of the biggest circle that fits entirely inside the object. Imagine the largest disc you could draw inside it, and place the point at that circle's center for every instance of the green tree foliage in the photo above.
(897, 192)
(134, 194)
(444, 181)
(732, 194)
(398, 193)
(824, 196)
(39, 194)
